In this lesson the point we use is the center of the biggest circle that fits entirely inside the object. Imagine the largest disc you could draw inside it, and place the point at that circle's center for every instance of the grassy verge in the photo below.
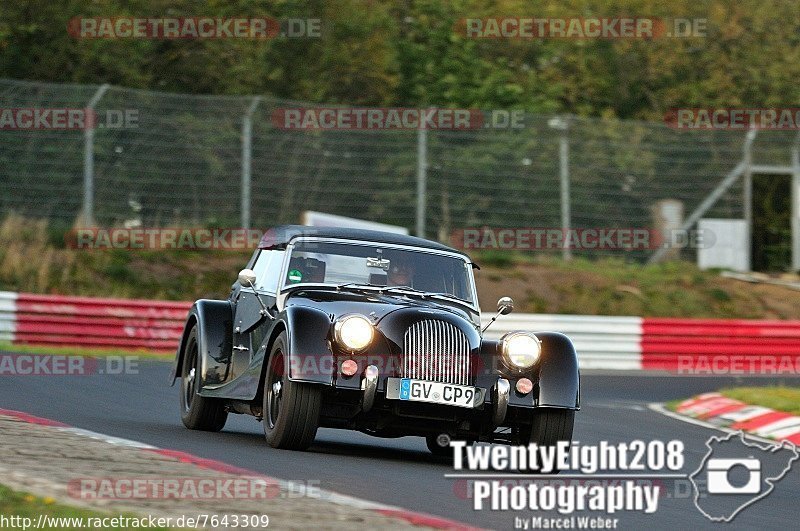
(35, 259)
(19, 504)
(778, 397)
(672, 405)
(546, 284)
(781, 398)
(77, 351)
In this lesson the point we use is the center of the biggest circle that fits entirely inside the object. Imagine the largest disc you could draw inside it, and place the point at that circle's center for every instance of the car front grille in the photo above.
(436, 351)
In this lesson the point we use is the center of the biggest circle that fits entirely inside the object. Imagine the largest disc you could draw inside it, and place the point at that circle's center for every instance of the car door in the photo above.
(249, 324)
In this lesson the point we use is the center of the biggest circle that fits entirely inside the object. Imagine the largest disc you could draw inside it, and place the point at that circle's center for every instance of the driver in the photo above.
(401, 272)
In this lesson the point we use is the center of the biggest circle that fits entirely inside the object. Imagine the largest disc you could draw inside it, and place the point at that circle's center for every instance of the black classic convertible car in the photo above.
(369, 331)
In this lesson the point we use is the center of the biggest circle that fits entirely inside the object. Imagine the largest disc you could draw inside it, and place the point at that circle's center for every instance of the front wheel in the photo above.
(197, 412)
(551, 426)
(291, 409)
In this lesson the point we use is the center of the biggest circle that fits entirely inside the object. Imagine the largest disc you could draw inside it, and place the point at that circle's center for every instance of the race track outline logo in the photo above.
(763, 466)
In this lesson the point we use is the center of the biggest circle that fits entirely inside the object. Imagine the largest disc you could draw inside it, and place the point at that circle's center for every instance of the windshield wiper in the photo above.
(423, 294)
(404, 288)
(357, 286)
(448, 296)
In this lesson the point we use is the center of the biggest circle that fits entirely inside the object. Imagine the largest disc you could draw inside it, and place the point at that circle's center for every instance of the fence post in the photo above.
(711, 199)
(247, 162)
(562, 124)
(87, 210)
(795, 199)
(747, 192)
(422, 168)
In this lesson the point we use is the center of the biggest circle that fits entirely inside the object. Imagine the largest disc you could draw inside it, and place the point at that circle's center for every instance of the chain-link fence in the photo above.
(191, 160)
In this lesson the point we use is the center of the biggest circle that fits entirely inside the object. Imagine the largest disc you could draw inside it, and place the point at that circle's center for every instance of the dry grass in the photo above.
(27, 509)
(27, 259)
(614, 287)
(34, 258)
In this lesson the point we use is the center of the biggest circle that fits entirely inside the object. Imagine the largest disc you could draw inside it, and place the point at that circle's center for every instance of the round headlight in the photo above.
(354, 332)
(521, 350)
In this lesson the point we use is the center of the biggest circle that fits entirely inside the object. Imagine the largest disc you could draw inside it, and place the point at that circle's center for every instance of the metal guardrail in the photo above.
(722, 345)
(8, 309)
(602, 342)
(91, 322)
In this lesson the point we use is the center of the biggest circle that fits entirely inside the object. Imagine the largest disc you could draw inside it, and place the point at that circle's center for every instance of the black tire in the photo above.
(437, 449)
(197, 412)
(291, 410)
(551, 426)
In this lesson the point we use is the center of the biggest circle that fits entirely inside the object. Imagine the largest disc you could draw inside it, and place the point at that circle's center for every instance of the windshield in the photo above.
(370, 264)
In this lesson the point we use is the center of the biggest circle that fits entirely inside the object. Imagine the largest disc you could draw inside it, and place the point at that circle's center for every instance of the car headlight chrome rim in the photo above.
(354, 332)
(521, 350)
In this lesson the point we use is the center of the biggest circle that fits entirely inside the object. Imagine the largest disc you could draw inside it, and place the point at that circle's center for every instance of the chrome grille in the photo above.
(436, 351)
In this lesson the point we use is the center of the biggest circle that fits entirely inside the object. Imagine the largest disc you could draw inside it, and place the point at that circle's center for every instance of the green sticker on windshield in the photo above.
(295, 275)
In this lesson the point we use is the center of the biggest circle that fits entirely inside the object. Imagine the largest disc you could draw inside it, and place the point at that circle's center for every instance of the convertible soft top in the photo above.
(279, 237)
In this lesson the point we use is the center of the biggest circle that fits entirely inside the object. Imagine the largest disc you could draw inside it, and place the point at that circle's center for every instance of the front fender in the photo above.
(559, 376)
(214, 322)
(555, 374)
(310, 356)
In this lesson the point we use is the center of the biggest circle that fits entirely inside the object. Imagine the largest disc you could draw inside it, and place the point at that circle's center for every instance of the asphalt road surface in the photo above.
(399, 472)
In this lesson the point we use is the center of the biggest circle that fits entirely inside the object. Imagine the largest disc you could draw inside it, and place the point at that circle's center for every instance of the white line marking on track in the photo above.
(616, 405)
(117, 441)
(290, 486)
(660, 408)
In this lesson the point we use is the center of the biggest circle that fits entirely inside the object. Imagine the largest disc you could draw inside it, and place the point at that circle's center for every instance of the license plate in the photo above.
(438, 393)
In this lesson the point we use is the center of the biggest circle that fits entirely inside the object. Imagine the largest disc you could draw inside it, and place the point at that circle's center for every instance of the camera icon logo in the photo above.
(736, 473)
(719, 472)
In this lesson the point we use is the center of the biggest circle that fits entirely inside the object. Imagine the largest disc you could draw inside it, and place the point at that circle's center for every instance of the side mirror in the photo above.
(247, 278)
(505, 305)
